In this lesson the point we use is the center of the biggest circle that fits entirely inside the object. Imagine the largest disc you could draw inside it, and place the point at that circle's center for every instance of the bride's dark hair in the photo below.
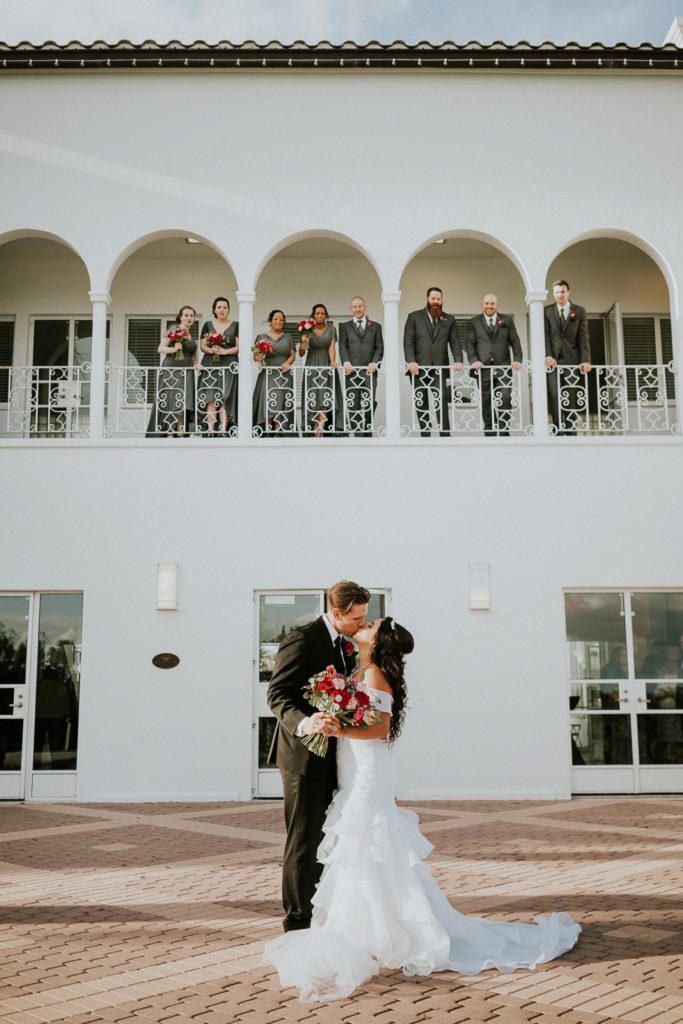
(392, 642)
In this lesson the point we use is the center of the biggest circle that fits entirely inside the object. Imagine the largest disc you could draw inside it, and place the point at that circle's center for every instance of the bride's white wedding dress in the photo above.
(377, 904)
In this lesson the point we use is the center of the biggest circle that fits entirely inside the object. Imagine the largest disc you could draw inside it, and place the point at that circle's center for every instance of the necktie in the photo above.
(563, 319)
(491, 326)
(339, 654)
(359, 326)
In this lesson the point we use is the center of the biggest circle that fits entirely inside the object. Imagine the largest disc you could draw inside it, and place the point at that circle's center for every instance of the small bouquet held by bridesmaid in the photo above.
(262, 348)
(182, 335)
(304, 328)
(215, 340)
(346, 699)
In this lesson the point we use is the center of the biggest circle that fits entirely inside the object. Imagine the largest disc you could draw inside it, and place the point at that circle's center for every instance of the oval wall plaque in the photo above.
(165, 660)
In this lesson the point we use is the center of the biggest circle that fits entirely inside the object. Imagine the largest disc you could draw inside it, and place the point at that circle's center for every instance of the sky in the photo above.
(560, 21)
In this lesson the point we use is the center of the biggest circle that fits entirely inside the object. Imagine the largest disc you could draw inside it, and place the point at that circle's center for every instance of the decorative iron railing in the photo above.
(48, 401)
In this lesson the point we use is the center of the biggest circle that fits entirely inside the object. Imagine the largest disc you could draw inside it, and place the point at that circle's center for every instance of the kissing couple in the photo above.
(356, 892)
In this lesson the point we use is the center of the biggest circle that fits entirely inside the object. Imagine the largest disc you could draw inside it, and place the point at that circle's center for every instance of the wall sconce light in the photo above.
(480, 591)
(167, 586)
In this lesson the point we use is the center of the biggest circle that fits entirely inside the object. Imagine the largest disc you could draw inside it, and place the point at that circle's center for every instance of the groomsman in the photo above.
(491, 337)
(360, 345)
(427, 337)
(567, 343)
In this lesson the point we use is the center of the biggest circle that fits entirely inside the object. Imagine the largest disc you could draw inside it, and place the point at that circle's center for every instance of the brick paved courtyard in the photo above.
(158, 912)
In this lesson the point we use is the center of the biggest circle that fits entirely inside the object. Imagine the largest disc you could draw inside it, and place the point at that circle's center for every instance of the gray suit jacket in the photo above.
(572, 345)
(493, 350)
(357, 350)
(428, 347)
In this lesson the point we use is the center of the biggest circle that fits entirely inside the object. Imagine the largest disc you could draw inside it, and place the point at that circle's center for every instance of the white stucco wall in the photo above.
(217, 157)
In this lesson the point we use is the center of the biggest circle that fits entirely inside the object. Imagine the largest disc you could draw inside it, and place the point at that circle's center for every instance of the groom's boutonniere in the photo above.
(500, 322)
(369, 323)
(349, 649)
(572, 314)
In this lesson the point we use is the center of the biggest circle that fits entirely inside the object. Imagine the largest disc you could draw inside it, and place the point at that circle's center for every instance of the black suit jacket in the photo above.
(303, 652)
(570, 346)
(493, 350)
(426, 349)
(361, 351)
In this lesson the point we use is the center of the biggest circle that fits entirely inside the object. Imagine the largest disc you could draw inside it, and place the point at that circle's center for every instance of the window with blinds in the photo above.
(647, 342)
(6, 356)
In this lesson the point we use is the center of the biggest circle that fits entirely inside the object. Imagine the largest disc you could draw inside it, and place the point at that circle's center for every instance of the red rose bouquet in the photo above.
(215, 340)
(305, 327)
(346, 699)
(262, 348)
(182, 335)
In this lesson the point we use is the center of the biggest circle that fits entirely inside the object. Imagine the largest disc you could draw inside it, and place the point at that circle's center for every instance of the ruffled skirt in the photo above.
(377, 904)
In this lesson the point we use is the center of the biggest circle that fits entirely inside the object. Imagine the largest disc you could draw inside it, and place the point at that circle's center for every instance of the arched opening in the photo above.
(150, 281)
(631, 387)
(45, 337)
(314, 397)
(491, 399)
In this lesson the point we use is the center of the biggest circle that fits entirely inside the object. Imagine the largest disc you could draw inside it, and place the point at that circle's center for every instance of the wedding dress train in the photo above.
(377, 904)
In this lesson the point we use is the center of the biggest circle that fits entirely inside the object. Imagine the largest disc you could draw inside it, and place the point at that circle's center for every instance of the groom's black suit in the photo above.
(308, 780)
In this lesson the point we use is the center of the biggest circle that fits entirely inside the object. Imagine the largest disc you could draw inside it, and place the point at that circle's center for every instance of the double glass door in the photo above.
(276, 613)
(40, 655)
(625, 654)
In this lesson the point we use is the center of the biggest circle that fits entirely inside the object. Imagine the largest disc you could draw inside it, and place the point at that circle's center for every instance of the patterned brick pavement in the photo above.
(158, 912)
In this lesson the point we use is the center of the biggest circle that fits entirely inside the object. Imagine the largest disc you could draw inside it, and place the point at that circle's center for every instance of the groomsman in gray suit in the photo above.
(567, 343)
(491, 337)
(427, 337)
(360, 345)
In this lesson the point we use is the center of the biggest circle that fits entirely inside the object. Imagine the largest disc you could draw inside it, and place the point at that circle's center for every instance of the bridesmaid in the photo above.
(219, 386)
(273, 409)
(175, 394)
(322, 400)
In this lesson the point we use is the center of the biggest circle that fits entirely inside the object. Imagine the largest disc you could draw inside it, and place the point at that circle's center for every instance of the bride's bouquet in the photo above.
(346, 699)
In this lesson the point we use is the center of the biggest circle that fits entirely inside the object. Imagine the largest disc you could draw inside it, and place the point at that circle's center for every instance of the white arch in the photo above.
(302, 236)
(478, 236)
(637, 242)
(154, 236)
(18, 233)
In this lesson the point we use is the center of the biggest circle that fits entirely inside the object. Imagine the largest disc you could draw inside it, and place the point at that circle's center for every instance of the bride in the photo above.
(377, 904)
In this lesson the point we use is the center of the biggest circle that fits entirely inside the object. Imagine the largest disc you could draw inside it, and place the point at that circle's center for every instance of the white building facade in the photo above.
(541, 575)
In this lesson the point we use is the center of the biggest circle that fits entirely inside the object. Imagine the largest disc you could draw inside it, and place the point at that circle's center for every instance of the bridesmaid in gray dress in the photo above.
(175, 394)
(217, 394)
(322, 399)
(273, 409)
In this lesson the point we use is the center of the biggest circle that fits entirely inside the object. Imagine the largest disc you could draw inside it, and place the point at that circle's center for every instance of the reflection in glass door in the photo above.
(14, 633)
(276, 613)
(625, 653)
(40, 656)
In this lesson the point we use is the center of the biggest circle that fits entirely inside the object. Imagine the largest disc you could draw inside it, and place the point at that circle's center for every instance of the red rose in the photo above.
(572, 314)
(363, 699)
(341, 698)
(331, 670)
(358, 715)
(349, 649)
(500, 322)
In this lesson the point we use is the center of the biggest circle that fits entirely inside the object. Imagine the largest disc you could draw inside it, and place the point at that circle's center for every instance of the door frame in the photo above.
(635, 778)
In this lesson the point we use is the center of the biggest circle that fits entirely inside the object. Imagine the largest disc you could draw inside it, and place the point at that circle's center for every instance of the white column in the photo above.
(535, 302)
(677, 353)
(98, 356)
(392, 362)
(246, 363)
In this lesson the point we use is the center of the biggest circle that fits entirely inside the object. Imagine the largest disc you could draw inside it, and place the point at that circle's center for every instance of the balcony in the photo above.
(42, 402)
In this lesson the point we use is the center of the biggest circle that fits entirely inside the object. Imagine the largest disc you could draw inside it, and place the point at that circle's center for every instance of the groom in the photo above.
(307, 779)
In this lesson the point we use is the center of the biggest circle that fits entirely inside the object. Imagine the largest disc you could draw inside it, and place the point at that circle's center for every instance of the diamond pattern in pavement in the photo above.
(158, 913)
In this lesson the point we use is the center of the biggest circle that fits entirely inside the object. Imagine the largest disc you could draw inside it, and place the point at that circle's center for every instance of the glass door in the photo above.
(40, 657)
(276, 613)
(625, 654)
(60, 375)
(14, 634)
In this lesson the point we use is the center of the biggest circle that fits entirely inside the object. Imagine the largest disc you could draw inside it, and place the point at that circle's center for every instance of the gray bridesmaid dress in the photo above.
(175, 396)
(274, 390)
(321, 391)
(217, 383)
